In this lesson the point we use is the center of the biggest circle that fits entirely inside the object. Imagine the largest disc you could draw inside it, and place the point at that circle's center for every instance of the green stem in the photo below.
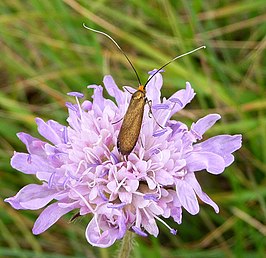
(126, 245)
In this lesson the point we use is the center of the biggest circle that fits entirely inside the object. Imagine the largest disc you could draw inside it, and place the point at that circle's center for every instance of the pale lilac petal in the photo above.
(113, 90)
(51, 130)
(153, 89)
(175, 207)
(191, 179)
(187, 197)
(98, 99)
(165, 178)
(32, 197)
(154, 208)
(213, 163)
(34, 145)
(203, 124)
(125, 197)
(151, 227)
(154, 71)
(180, 164)
(132, 185)
(151, 183)
(30, 164)
(49, 216)
(74, 119)
(222, 145)
(109, 227)
(112, 186)
(93, 194)
(96, 238)
(176, 214)
(184, 96)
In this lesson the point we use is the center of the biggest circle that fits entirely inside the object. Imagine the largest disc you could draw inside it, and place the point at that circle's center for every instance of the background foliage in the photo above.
(45, 53)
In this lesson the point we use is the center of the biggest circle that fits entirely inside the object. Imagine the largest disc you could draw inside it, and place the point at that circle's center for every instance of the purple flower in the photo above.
(80, 168)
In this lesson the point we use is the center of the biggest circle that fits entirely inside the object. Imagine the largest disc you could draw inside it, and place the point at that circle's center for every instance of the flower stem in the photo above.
(126, 245)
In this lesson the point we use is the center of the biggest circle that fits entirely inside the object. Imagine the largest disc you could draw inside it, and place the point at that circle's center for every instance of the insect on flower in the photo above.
(80, 169)
(130, 129)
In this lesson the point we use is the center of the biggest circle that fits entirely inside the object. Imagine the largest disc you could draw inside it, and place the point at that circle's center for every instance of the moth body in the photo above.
(131, 125)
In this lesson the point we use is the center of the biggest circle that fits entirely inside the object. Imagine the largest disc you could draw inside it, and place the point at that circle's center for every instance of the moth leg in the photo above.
(149, 102)
(113, 123)
(128, 90)
(74, 217)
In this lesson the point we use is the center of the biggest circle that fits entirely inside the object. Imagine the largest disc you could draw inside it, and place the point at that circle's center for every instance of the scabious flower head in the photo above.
(80, 167)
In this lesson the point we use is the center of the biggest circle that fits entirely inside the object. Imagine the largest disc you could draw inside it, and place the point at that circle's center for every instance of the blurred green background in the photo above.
(45, 53)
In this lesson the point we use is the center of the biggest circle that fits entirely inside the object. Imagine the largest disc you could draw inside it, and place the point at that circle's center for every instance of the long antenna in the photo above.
(177, 57)
(108, 36)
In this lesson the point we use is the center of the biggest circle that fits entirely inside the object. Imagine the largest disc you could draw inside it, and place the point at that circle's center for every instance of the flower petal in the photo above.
(203, 124)
(150, 226)
(30, 164)
(34, 145)
(187, 197)
(184, 96)
(96, 238)
(32, 197)
(164, 177)
(153, 89)
(191, 179)
(51, 130)
(98, 99)
(49, 216)
(222, 145)
(212, 162)
(113, 90)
